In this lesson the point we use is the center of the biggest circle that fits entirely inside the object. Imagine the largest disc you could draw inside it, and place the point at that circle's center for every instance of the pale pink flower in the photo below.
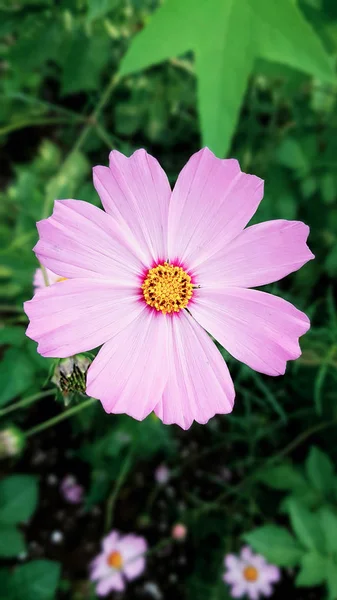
(122, 558)
(179, 531)
(71, 491)
(162, 474)
(132, 270)
(39, 282)
(250, 574)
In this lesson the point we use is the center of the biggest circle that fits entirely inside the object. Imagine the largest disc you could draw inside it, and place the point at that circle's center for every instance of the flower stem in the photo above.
(114, 494)
(91, 124)
(25, 402)
(65, 415)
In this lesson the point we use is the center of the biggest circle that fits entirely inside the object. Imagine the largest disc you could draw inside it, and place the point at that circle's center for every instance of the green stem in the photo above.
(43, 103)
(59, 418)
(91, 123)
(25, 402)
(114, 494)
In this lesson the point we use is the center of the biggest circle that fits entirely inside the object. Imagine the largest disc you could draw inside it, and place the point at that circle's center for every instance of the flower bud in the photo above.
(70, 375)
(179, 532)
(12, 441)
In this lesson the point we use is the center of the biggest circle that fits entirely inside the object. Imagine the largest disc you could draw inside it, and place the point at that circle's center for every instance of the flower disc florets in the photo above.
(167, 288)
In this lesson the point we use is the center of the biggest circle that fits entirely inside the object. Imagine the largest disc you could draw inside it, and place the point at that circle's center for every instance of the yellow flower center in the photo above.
(250, 573)
(115, 560)
(167, 288)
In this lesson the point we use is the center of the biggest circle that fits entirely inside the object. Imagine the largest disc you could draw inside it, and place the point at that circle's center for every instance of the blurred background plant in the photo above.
(254, 80)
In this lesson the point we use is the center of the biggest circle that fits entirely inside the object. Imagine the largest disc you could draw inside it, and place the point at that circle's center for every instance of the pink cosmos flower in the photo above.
(39, 282)
(71, 491)
(156, 273)
(250, 574)
(122, 557)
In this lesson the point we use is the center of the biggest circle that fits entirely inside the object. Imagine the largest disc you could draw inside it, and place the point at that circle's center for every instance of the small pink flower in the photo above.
(133, 270)
(162, 474)
(72, 492)
(122, 558)
(39, 282)
(250, 574)
(179, 532)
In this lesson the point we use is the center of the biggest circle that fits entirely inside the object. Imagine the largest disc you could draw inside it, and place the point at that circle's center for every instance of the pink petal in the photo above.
(79, 314)
(80, 240)
(99, 567)
(271, 573)
(110, 542)
(112, 582)
(199, 384)
(259, 329)
(265, 589)
(238, 590)
(136, 192)
(259, 255)
(211, 203)
(253, 591)
(247, 554)
(232, 562)
(129, 373)
(131, 546)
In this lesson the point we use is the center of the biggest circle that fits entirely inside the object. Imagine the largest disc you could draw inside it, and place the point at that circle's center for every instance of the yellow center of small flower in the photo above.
(250, 573)
(115, 560)
(167, 288)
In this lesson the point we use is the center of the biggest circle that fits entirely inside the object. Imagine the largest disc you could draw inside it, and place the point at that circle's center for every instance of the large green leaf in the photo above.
(16, 363)
(332, 579)
(276, 544)
(320, 471)
(286, 37)
(226, 37)
(38, 579)
(283, 477)
(18, 498)
(313, 570)
(306, 525)
(11, 542)
(328, 521)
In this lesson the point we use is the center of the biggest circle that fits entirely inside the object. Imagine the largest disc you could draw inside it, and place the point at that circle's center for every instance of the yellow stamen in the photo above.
(61, 279)
(167, 288)
(115, 560)
(250, 573)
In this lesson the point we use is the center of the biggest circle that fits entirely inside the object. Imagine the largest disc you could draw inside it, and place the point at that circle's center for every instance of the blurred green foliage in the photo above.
(80, 77)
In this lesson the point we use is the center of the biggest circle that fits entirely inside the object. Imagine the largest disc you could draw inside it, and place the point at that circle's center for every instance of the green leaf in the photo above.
(286, 37)
(276, 544)
(16, 363)
(283, 477)
(39, 580)
(11, 542)
(18, 498)
(320, 471)
(306, 525)
(331, 575)
(241, 31)
(84, 62)
(328, 521)
(290, 154)
(328, 188)
(312, 570)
